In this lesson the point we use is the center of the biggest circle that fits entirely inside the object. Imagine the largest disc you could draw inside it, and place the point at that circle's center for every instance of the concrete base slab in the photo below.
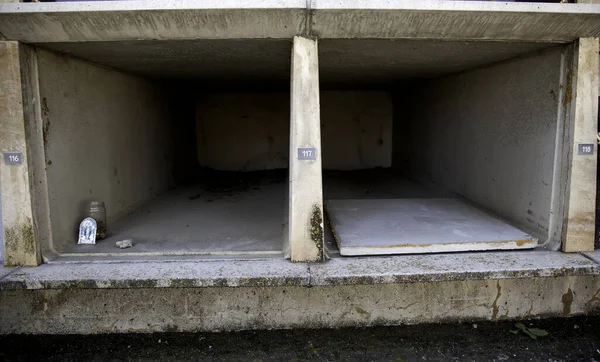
(242, 219)
(404, 226)
(225, 295)
(91, 311)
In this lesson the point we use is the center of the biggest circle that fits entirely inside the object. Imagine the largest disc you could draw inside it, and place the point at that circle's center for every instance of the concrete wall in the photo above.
(250, 131)
(107, 137)
(489, 135)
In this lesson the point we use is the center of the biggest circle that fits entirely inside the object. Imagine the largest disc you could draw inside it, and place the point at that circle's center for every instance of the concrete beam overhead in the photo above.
(283, 19)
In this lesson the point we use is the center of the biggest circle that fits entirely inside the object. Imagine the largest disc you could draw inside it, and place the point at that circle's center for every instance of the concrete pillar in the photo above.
(20, 243)
(581, 189)
(305, 229)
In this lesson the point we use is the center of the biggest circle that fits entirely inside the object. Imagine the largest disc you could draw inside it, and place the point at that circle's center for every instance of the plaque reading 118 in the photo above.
(307, 154)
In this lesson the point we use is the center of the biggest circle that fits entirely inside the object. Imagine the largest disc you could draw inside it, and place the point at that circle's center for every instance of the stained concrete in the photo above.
(20, 233)
(106, 136)
(445, 267)
(92, 311)
(143, 20)
(212, 296)
(581, 209)
(305, 237)
(182, 274)
(338, 271)
(404, 226)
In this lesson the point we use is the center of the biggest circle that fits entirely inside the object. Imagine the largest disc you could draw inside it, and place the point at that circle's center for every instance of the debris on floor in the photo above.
(124, 244)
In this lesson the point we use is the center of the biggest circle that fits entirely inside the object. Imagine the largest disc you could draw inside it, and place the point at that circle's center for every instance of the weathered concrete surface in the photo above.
(216, 295)
(488, 134)
(278, 272)
(305, 241)
(578, 233)
(107, 137)
(450, 267)
(180, 274)
(35, 129)
(453, 20)
(20, 242)
(139, 20)
(85, 311)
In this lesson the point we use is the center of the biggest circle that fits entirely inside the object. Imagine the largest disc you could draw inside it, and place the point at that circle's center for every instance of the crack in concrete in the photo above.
(10, 272)
(308, 18)
(495, 304)
(588, 257)
(407, 306)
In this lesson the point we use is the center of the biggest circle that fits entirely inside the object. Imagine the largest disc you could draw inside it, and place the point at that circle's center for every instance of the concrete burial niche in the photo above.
(443, 146)
(186, 142)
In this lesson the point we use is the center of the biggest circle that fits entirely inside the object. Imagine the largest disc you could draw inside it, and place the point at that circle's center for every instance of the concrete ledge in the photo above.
(265, 273)
(277, 272)
(451, 267)
(239, 19)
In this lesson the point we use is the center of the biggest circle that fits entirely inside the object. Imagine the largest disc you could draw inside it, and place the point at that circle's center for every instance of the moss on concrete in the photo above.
(316, 231)
(19, 241)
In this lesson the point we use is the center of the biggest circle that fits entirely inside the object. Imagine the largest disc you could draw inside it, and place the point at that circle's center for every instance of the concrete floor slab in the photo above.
(159, 275)
(405, 226)
(200, 221)
(448, 267)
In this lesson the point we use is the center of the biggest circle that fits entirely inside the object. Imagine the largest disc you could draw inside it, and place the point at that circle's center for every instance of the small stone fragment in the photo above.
(124, 244)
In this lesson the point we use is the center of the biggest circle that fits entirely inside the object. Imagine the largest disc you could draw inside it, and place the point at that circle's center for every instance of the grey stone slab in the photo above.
(261, 273)
(405, 226)
(450, 267)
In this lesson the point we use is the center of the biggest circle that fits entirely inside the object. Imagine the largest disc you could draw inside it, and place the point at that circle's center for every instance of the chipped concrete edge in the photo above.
(22, 280)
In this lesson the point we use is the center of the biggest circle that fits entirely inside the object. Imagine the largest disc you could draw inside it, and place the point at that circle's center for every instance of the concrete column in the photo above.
(305, 230)
(20, 243)
(581, 189)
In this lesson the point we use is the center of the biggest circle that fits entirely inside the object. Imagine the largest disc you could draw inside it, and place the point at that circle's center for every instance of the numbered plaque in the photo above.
(307, 154)
(585, 149)
(13, 158)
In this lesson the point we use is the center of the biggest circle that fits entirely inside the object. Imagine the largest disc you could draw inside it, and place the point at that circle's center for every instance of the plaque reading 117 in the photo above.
(307, 154)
